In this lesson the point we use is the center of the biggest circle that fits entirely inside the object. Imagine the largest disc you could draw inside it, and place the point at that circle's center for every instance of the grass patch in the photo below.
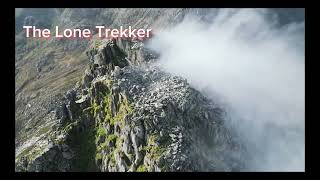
(95, 108)
(112, 138)
(98, 156)
(155, 151)
(141, 168)
(101, 131)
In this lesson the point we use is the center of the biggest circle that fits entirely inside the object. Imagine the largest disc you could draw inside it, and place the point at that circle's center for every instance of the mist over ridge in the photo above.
(255, 68)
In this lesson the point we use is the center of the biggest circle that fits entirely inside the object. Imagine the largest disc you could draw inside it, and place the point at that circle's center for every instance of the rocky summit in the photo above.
(126, 114)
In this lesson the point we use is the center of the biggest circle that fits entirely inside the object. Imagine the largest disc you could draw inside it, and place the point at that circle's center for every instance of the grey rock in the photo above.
(67, 155)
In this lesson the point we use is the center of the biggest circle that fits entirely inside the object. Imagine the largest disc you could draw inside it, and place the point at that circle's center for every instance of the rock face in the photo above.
(129, 115)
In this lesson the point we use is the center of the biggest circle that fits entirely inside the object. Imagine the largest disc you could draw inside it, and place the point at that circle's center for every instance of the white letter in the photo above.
(114, 33)
(46, 33)
(67, 33)
(123, 33)
(57, 32)
(27, 30)
(132, 33)
(86, 33)
(141, 33)
(148, 31)
(107, 33)
(75, 31)
(99, 30)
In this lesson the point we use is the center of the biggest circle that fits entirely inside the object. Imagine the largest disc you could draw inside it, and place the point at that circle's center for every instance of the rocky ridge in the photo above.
(129, 115)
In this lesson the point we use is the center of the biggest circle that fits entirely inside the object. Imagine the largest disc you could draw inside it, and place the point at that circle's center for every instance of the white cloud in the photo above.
(256, 68)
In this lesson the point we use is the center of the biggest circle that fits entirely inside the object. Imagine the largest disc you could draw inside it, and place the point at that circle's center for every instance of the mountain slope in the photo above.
(134, 118)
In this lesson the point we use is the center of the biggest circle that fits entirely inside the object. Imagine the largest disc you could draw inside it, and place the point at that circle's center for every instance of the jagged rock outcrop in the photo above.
(129, 115)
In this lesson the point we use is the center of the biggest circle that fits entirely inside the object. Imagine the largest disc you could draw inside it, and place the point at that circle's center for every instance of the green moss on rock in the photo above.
(101, 131)
(95, 108)
(154, 150)
(98, 156)
(141, 168)
(112, 138)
